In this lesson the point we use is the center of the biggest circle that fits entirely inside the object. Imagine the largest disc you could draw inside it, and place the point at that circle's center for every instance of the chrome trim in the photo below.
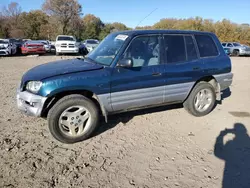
(29, 103)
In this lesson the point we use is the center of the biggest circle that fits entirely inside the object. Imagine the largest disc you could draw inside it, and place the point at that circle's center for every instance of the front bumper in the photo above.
(4, 52)
(242, 52)
(29, 103)
(67, 50)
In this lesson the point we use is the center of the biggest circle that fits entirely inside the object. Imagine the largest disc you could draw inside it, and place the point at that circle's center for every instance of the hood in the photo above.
(3, 45)
(245, 47)
(59, 68)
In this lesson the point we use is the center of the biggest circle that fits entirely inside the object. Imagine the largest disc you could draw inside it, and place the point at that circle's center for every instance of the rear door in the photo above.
(142, 84)
(183, 66)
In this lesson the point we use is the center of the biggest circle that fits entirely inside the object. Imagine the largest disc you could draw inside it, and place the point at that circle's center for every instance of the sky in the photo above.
(132, 12)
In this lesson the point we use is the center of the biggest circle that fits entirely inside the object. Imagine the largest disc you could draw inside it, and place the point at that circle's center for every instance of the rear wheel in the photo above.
(236, 53)
(73, 119)
(201, 100)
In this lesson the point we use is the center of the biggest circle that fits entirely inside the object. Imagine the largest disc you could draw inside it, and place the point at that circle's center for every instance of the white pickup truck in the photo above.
(66, 44)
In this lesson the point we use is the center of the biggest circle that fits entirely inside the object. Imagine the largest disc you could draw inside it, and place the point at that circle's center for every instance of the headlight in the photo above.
(33, 86)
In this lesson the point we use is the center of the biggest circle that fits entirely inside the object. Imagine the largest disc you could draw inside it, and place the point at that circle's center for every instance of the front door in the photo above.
(143, 83)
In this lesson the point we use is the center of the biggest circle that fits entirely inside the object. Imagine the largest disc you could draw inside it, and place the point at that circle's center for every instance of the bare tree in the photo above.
(64, 10)
(13, 11)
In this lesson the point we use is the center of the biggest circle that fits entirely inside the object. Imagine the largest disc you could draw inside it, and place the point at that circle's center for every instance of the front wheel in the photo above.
(73, 119)
(201, 100)
(236, 53)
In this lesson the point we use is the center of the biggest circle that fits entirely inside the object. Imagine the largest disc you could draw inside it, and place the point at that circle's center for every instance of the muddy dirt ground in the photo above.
(160, 147)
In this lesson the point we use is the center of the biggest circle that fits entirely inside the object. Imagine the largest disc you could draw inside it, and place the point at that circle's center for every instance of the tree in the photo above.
(13, 10)
(64, 10)
(92, 26)
(33, 24)
(10, 20)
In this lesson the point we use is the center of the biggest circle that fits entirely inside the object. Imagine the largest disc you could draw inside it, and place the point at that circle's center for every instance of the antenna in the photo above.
(146, 17)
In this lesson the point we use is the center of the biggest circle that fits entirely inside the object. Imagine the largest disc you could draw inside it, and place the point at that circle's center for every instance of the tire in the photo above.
(57, 53)
(56, 115)
(191, 101)
(236, 53)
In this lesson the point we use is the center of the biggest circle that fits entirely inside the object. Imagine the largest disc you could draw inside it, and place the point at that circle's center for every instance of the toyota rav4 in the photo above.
(128, 70)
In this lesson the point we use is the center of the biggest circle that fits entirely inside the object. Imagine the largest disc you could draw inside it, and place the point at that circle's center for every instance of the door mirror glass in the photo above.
(126, 63)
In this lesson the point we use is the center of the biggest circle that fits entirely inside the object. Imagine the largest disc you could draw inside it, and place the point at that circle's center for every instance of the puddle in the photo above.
(240, 114)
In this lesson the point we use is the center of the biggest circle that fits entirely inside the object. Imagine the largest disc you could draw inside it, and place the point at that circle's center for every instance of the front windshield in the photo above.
(66, 38)
(237, 44)
(92, 42)
(107, 50)
(4, 42)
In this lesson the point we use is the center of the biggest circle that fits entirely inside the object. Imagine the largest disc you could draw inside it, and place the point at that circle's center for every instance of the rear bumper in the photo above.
(30, 104)
(225, 80)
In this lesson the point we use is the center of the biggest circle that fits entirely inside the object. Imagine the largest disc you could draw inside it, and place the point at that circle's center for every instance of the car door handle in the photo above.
(156, 74)
(196, 68)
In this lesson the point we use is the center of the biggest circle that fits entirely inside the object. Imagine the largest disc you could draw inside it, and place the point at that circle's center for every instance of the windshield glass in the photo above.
(4, 42)
(106, 51)
(66, 38)
(237, 44)
(92, 42)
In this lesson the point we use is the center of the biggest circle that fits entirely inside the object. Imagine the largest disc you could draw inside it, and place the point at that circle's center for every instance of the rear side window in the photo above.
(191, 50)
(223, 44)
(175, 48)
(206, 46)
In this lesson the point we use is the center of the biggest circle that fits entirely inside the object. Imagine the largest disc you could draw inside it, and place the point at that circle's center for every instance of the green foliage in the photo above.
(92, 27)
(225, 29)
(32, 23)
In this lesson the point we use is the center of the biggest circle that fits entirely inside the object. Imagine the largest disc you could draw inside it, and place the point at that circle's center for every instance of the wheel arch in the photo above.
(51, 100)
(212, 80)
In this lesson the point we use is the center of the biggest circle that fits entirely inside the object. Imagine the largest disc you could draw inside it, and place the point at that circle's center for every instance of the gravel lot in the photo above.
(162, 147)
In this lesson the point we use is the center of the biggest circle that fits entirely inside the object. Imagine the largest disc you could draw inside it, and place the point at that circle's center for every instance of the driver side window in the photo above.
(144, 51)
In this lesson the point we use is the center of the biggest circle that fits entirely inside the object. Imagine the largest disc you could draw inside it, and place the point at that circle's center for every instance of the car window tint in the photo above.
(175, 48)
(223, 44)
(206, 46)
(229, 45)
(144, 51)
(191, 50)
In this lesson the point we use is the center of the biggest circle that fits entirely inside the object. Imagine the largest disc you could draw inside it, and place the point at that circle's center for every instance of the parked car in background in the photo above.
(66, 44)
(46, 44)
(237, 49)
(128, 70)
(7, 48)
(83, 49)
(33, 47)
(91, 44)
(18, 43)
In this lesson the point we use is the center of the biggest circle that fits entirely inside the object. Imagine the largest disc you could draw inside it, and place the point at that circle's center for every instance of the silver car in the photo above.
(91, 44)
(236, 49)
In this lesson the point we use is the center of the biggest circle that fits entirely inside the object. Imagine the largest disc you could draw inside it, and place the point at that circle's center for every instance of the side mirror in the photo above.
(126, 63)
